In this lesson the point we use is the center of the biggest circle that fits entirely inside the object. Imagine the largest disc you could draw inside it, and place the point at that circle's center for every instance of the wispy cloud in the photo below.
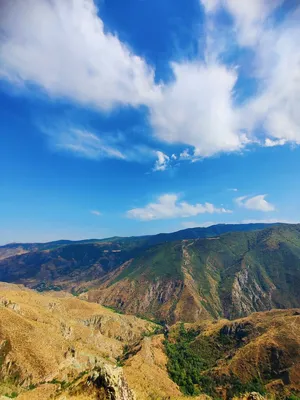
(249, 17)
(258, 203)
(96, 212)
(84, 144)
(169, 206)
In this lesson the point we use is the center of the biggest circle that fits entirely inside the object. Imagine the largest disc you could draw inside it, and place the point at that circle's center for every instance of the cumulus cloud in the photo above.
(169, 206)
(196, 109)
(276, 60)
(277, 67)
(258, 203)
(162, 161)
(62, 47)
(273, 143)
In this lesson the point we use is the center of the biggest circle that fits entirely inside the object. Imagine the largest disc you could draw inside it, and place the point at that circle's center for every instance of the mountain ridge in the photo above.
(186, 233)
(228, 276)
(224, 275)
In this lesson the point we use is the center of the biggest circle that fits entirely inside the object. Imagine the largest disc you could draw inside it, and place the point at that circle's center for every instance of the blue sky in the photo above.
(139, 117)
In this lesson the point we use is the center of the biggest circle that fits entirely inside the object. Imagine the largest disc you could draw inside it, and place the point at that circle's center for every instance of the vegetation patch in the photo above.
(190, 359)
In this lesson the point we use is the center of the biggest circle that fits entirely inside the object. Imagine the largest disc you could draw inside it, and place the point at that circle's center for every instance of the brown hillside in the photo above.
(264, 347)
(57, 346)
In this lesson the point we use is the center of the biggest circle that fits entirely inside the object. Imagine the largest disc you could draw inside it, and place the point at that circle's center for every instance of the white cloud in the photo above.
(276, 52)
(273, 143)
(95, 212)
(185, 155)
(168, 206)
(196, 109)
(211, 5)
(95, 146)
(249, 16)
(276, 108)
(62, 47)
(255, 203)
(162, 161)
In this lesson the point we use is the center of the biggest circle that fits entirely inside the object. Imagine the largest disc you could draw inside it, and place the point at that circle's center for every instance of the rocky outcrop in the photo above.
(141, 297)
(248, 294)
(111, 380)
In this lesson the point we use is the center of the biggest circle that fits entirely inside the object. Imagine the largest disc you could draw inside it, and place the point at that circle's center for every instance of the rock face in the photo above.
(108, 382)
(230, 276)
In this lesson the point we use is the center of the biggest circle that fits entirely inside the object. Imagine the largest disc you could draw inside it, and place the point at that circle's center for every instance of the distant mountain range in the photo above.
(11, 249)
(223, 270)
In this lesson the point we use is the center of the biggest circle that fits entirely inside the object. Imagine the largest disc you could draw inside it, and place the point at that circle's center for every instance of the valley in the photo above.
(214, 317)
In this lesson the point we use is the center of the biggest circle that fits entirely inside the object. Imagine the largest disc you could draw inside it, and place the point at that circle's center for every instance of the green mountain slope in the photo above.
(231, 275)
(70, 264)
(12, 249)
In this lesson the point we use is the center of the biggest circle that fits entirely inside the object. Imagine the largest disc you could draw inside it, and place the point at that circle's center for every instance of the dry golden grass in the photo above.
(43, 337)
(146, 372)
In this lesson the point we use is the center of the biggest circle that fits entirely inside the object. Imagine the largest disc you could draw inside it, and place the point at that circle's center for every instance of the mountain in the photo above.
(200, 232)
(56, 346)
(69, 265)
(230, 276)
(12, 249)
(66, 266)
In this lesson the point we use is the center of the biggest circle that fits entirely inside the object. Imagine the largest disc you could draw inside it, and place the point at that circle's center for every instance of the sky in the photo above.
(145, 116)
